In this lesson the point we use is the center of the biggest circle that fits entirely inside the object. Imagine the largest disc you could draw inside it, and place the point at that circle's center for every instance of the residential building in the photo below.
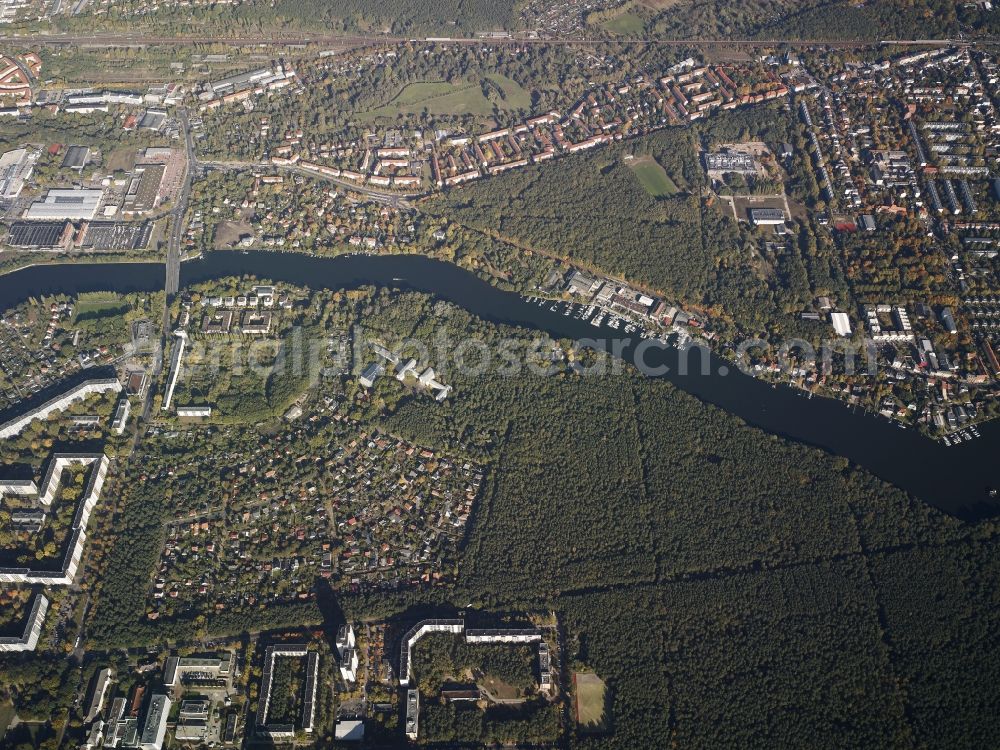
(154, 729)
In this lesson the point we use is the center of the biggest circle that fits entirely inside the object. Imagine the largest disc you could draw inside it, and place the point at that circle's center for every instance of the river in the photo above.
(954, 479)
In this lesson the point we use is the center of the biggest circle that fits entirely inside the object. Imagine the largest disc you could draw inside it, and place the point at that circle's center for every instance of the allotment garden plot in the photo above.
(319, 499)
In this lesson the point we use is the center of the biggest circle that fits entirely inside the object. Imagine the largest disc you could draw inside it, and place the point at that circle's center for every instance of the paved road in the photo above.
(180, 209)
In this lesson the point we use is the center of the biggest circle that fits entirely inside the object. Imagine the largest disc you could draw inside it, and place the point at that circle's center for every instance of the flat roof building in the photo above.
(120, 422)
(349, 730)
(371, 374)
(176, 668)
(41, 235)
(76, 158)
(948, 320)
(66, 573)
(76, 204)
(98, 690)
(730, 161)
(766, 216)
(307, 720)
(32, 629)
(841, 323)
(16, 167)
(154, 729)
(194, 411)
(412, 714)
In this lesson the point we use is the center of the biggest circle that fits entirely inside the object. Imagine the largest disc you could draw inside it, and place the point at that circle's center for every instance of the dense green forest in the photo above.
(441, 17)
(823, 20)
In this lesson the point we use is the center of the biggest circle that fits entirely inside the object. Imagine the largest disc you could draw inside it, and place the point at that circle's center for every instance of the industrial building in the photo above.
(41, 235)
(143, 190)
(116, 236)
(16, 167)
(74, 204)
(841, 323)
(77, 157)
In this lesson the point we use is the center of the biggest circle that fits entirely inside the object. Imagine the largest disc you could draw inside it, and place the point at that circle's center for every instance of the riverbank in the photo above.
(21, 261)
(957, 480)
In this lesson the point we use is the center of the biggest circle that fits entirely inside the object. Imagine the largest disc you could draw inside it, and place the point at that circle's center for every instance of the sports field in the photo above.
(589, 692)
(653, 177)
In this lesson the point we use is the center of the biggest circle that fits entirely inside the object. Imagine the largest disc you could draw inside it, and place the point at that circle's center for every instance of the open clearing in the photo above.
(653, 177)
(589, 689)
(627, 24)
(97, 305)
(228, 233)
(443, 98)
(6, 716)
(120, 160)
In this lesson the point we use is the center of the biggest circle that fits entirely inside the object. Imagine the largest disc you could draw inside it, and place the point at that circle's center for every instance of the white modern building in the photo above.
(194, 411)
(347, 653)
(18, 487)
(175, 368)
(120, 421)
(16, 167)
(525, 635)
(414, 634)
(841, 323)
